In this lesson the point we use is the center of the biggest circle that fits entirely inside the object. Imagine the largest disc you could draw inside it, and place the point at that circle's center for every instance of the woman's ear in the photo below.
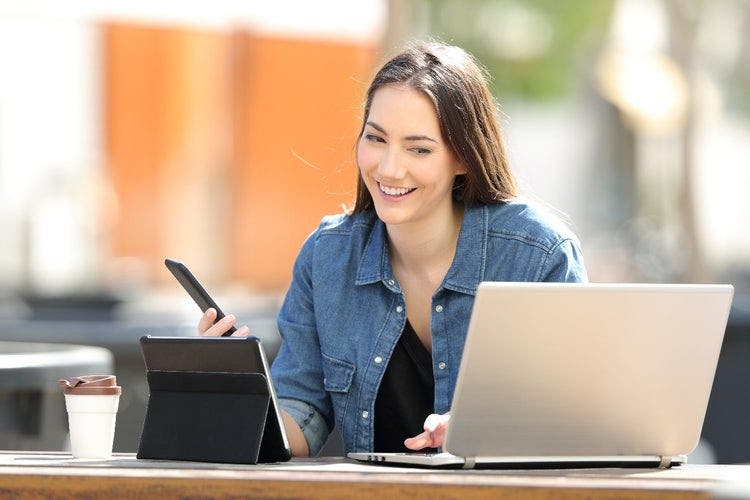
(460, 169)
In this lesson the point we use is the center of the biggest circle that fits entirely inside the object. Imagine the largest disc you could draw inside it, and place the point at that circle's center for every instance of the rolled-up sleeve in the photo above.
(297, 370)
(312, 423)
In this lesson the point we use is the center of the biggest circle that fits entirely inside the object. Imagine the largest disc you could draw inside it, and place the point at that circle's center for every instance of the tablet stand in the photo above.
(205, 417)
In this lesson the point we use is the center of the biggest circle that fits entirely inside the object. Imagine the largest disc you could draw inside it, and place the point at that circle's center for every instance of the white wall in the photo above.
(49, 122)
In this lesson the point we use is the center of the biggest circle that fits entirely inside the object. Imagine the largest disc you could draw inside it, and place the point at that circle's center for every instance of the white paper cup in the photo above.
(92, 424)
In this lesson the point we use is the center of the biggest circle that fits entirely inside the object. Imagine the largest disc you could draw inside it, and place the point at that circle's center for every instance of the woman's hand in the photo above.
(433, 435)
(207, 328)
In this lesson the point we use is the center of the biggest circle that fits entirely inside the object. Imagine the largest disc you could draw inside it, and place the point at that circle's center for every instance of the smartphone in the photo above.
(193, 287)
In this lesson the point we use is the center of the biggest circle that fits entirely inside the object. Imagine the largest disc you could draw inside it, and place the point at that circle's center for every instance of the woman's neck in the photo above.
(426, 247)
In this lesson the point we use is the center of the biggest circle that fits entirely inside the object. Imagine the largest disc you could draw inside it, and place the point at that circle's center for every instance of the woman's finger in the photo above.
(433, 436)
(207, 319)
(221, 326)
(419, 441)
(242, 331)
(438, 435)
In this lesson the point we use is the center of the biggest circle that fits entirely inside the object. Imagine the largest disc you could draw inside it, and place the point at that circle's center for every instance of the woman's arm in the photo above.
(297, 441)
(297, 370)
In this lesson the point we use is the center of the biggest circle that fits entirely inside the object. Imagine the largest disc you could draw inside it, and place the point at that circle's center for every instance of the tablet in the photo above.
(222, 355)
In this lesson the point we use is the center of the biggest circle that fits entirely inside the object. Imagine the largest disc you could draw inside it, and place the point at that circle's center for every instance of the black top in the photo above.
(406, 395)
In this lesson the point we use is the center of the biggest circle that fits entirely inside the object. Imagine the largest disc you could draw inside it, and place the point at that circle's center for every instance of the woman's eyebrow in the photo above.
(408, 137)
(377, 127)
(419, 138)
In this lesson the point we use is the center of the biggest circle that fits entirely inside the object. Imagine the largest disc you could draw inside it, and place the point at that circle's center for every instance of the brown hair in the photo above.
(467, 113)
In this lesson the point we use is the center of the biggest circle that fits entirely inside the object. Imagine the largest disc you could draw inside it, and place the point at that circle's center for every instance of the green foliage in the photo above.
(535, 49)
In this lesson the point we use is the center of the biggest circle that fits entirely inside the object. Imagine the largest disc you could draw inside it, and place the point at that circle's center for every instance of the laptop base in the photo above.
(450, 461)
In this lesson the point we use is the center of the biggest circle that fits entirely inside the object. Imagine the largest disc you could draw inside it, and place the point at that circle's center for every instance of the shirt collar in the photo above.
(375, 265)
(468, 266)
(465, 273)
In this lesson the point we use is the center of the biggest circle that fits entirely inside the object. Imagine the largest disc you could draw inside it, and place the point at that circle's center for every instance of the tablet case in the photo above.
(206, 417)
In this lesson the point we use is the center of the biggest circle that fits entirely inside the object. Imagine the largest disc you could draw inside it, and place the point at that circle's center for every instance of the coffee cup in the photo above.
(92, 402)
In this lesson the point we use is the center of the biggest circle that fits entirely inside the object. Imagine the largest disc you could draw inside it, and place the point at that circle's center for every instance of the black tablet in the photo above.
(222, 355)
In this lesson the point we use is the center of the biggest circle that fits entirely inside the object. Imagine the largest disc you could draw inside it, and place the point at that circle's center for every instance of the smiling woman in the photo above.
(374, 322)
(465, 114)
(404, 161)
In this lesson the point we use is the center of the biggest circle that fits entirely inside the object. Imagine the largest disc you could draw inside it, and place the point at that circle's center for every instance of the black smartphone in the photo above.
(193, 287)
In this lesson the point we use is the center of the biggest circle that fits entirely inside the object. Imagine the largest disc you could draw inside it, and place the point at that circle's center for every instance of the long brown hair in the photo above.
(467, 113)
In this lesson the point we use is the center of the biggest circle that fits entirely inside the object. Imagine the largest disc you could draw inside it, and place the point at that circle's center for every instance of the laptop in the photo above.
(578, 375)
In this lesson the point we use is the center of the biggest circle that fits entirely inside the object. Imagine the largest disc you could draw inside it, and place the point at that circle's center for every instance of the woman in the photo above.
(374, 322)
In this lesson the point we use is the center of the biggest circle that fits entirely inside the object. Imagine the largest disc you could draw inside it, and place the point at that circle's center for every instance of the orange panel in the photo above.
(297, 109)
(167, 141)
(131, 144)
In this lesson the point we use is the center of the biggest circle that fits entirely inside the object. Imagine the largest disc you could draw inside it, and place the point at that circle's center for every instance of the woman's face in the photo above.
(404, 162)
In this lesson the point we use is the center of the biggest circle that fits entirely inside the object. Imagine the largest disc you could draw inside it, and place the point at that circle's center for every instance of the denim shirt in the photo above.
(344, 311)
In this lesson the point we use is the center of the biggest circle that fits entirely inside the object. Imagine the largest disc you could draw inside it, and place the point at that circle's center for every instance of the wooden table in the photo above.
(58, 475)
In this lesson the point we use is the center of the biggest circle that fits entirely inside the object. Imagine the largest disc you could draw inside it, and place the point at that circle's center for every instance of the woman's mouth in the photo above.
(394, 191)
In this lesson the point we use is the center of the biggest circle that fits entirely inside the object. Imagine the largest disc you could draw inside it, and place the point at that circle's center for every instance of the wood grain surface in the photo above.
(37, 475)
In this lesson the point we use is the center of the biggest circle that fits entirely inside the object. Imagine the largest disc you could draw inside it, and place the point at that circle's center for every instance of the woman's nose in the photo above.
(390, 167)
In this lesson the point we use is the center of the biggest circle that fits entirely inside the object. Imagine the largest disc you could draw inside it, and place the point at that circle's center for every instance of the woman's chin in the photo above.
(391, 216)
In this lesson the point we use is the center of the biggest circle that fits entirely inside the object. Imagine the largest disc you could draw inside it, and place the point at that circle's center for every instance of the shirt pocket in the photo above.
(337, 380)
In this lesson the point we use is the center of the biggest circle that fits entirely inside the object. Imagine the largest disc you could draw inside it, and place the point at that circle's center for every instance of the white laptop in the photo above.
(576, 375)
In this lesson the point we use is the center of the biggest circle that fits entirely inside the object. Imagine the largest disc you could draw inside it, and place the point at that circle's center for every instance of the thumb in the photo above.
(419, 441)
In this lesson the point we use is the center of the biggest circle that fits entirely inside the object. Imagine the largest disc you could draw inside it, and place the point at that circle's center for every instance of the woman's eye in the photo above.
(374, 138)
(421, 151)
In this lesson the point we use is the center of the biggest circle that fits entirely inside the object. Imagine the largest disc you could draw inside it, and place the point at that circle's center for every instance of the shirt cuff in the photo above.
(312, 423)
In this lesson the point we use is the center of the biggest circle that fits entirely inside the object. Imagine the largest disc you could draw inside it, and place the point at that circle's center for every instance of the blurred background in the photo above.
(219, 133)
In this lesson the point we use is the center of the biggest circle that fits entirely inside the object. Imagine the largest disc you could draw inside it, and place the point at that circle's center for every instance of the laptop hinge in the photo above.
(469, 462)
(665, 462)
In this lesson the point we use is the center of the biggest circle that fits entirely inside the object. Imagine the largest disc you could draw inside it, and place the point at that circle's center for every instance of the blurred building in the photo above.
(218, 134)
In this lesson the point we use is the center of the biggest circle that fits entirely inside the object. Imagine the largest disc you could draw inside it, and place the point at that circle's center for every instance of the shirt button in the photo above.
(438, 308)
(365, 414)
(391, 282)
(399, 309)
(441, 365)
(378, 360)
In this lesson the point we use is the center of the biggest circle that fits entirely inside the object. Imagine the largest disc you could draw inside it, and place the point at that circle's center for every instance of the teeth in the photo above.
(395, 191)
